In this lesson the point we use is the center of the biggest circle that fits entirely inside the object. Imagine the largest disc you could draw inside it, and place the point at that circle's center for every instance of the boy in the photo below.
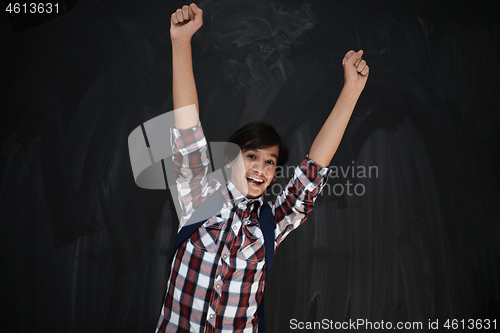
(218, 275)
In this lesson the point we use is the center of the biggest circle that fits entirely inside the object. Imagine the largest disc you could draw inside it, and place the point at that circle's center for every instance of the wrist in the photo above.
(352, 88)
(181, 42)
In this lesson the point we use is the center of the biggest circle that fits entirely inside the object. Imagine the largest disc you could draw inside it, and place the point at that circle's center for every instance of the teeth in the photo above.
(257, 180)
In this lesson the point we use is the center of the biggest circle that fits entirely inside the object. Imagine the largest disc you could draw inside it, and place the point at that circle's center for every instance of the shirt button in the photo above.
(211, 315)
(235, 227)
(217, 286)
(225, 256)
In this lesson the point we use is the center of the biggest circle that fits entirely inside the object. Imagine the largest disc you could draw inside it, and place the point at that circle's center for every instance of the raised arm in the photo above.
(328, 139)
(183, 24)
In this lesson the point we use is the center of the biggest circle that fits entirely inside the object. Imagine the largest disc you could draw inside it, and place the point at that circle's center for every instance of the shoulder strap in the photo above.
(266, 222)
(207, 208)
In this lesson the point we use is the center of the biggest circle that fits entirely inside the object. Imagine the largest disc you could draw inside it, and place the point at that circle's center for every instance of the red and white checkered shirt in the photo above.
(217, 277)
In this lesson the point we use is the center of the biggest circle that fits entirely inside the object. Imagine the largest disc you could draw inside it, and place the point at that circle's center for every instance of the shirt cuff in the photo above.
(316, 174)
(188, 140)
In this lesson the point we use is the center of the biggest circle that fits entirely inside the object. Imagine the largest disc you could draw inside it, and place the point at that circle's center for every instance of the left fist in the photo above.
(355, 69)
(185, 21)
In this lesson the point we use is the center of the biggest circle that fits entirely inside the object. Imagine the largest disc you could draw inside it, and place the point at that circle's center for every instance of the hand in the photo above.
(355, 70)
(185, 21)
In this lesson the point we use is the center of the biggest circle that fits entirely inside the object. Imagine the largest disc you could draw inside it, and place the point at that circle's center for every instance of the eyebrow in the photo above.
(255, 151)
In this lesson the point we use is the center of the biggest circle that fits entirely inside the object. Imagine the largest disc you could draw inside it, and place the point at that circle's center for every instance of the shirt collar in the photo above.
(242, 203)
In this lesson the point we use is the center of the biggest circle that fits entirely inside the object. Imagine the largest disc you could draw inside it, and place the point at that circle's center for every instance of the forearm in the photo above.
(183, 85)
(328, 139)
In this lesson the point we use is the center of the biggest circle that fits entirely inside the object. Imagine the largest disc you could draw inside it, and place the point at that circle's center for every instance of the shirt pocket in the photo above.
(206, 238)
(252, 250)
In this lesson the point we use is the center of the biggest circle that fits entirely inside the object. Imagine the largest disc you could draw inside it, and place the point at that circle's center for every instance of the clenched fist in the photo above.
(185, 21)
(355, 69)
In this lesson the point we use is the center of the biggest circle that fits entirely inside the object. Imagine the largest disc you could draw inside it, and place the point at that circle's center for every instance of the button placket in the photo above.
(210, 314)
(218, 282)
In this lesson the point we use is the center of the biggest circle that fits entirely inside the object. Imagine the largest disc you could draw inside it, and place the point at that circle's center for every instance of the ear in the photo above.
(228, 164)
(275, 179)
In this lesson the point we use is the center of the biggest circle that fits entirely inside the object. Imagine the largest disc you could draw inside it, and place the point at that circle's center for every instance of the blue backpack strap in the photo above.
(266, 222)
(208, 208)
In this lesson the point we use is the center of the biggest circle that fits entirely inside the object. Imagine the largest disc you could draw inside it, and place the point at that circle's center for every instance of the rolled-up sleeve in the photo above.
(297, 199)
(191, 168)
(188, 140)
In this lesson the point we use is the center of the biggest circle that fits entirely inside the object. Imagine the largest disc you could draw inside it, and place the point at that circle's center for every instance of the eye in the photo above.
(252, 156)
(270, 162)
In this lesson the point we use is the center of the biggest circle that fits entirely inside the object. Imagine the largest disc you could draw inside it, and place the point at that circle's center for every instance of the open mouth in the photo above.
(254, 181)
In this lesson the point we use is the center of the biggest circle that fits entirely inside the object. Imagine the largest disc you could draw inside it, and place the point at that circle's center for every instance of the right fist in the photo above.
(185, 21)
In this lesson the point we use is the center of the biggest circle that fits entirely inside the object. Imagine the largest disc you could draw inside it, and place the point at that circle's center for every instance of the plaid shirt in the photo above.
(217, 277)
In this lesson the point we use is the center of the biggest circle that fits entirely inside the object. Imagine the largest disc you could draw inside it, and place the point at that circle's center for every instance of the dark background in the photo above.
(83, 249)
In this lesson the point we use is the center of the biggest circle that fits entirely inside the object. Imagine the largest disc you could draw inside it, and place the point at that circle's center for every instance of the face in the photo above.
(255, 170)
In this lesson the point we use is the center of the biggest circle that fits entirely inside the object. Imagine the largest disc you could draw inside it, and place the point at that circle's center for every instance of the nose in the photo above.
(259, 167)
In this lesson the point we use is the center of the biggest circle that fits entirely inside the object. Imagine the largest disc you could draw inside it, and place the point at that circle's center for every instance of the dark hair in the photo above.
(260, 135)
